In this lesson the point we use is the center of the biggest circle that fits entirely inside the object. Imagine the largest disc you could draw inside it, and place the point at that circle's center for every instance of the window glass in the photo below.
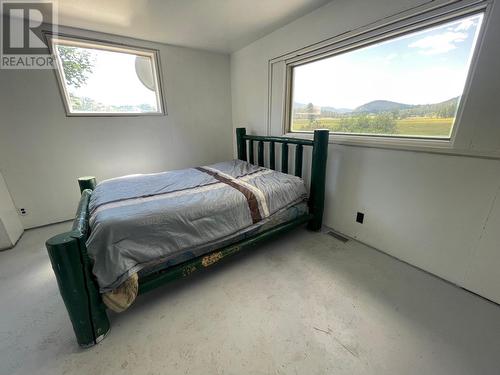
(408, 85)
(99, 79)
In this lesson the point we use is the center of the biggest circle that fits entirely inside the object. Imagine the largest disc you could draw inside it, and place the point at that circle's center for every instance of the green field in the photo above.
(440, 127)
(420, 126)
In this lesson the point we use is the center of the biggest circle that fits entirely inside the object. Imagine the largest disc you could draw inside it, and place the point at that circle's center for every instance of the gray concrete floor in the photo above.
(303, 304)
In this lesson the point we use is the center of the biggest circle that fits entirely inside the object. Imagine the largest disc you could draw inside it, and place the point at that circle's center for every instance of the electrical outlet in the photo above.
(360, 217)
(23, 211)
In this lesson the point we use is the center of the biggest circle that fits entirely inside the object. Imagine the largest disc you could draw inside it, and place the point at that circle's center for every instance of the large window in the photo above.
(406, 86)
(103, 79)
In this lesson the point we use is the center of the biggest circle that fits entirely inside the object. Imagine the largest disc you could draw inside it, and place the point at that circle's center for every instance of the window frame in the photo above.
(76, 41)
(372, 35)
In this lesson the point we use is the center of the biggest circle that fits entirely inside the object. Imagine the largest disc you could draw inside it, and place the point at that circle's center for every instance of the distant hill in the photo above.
(442, 109)
(300, 106)
(336, 110)
(378, 106)
(446, 108)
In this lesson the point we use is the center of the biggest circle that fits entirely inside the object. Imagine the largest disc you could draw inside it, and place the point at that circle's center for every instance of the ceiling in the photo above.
(217, 25)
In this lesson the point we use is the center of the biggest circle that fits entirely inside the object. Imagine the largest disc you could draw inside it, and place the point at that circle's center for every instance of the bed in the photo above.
(135, 233)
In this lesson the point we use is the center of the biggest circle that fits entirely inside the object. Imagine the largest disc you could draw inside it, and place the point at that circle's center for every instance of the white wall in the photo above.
(10, 225)
(438, 212)
(42, 152)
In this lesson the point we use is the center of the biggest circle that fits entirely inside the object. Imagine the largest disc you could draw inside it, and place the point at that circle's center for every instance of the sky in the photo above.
(114, 81)
(425, 67)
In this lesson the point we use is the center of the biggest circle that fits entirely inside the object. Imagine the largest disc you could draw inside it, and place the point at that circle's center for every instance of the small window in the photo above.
(406, 86)
(104, 79)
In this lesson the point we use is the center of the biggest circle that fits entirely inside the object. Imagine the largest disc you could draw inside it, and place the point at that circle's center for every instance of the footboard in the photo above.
(73, 271)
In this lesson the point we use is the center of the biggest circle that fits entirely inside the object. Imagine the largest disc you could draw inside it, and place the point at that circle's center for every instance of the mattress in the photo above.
(139, 222)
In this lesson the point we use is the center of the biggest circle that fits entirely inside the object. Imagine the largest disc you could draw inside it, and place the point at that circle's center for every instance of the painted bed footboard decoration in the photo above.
(73, 267)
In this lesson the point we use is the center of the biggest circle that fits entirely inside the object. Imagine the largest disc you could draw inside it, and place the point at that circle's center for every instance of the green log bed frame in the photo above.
(73, 267)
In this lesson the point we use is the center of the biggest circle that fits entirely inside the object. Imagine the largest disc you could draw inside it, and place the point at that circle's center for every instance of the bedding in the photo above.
(280, 217)
(120, 298)
(141, 221)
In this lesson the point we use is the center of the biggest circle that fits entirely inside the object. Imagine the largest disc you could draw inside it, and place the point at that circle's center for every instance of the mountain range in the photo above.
(443, 109)
(378, 106)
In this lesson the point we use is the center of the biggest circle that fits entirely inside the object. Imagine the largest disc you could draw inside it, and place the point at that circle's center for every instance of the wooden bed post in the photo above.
(318, 178)
(73, 270)
(241, 143)
(87, 182)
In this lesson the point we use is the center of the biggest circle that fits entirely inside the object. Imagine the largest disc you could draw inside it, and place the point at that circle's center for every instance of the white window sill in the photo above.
(434, 146)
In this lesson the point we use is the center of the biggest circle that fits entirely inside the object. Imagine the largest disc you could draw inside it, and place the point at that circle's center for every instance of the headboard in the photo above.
(319, 144)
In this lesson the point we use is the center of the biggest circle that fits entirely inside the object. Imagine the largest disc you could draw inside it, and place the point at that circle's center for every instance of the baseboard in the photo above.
(326, 229)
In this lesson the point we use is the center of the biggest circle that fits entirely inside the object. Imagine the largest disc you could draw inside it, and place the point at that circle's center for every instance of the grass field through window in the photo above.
(412, 126)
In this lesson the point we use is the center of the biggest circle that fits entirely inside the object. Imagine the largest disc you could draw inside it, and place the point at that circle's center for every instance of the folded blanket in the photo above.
(122, 297)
